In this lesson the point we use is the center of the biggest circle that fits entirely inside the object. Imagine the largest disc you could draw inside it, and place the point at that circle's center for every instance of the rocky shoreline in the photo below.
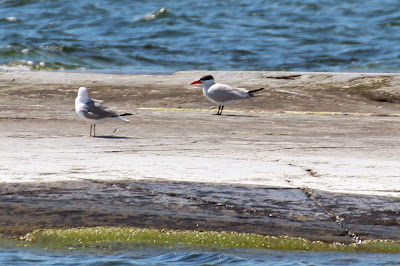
(315, 155)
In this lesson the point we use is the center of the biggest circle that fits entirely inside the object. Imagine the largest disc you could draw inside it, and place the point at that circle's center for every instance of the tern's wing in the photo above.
(225, 93)
(95, 110)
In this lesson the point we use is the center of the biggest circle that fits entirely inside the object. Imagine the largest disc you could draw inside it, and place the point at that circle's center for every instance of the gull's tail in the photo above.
(118, 117)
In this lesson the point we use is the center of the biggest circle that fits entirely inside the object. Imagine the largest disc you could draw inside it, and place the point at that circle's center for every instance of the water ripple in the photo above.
(12, 255)
(128, 36)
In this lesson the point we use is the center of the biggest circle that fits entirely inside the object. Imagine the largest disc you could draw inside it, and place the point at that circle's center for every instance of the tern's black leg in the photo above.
(220, 107)
(90, 132)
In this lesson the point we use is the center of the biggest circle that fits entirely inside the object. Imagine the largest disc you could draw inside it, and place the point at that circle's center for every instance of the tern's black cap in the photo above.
(207, 77)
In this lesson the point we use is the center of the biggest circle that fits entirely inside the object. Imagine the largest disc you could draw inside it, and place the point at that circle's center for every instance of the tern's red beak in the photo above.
(195, 82)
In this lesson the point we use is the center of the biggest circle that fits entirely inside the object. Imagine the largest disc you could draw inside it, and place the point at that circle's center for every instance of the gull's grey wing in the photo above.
(95, 110)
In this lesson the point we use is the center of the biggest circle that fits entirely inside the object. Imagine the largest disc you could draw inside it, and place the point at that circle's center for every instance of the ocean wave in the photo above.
(160, 13)
(119, 36)
(5, 68)
(38, 65)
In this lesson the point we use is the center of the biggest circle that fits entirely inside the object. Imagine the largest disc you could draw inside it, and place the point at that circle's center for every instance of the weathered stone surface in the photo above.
(315, 155)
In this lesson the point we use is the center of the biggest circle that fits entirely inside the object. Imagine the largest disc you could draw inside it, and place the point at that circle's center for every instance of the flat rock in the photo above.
(314, 155)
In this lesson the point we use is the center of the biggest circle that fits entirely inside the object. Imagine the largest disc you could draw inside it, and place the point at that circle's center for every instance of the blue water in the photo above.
(166, 256)
(125, 36)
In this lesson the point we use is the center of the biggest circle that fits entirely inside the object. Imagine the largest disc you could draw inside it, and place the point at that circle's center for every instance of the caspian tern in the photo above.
(92, 110)
(222, 94)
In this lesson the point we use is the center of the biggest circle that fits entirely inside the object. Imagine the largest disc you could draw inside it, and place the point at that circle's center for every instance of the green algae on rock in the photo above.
(113, 236)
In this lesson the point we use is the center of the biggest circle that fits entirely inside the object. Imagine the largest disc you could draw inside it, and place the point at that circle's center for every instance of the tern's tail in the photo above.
(125, 114)
(255, 90)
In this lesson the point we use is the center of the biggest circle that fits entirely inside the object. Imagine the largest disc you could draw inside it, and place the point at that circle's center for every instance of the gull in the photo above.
(93, 111)
(222, 94)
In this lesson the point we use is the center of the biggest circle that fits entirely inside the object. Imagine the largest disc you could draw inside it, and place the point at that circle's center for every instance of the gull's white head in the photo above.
(83, 94)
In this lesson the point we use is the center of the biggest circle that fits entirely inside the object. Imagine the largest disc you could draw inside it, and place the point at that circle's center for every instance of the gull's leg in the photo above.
(90, 132)
(94, 130)
(222, 108)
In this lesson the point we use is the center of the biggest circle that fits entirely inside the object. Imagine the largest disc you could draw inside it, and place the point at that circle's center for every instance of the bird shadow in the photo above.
(232, 115)
(111, 137)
